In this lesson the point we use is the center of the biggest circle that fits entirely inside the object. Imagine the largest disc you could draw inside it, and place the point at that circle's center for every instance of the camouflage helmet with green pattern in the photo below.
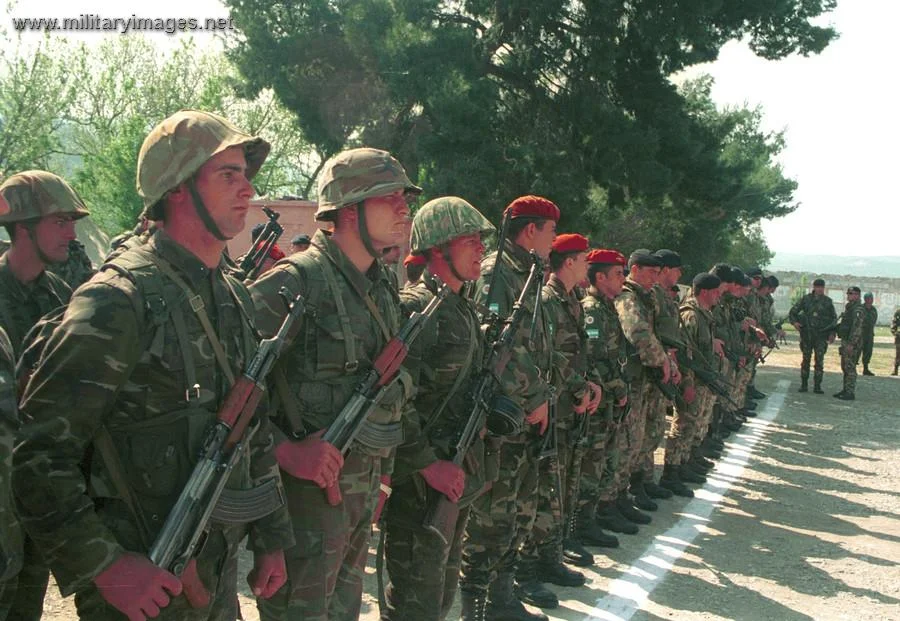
(177, 147)
(442, 220)
(357, 174)
(37, 193)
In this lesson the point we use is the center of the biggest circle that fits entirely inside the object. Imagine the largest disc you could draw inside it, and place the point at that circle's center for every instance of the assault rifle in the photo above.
(442, 514)
(253, 260)
(369, 393)
(709, 378)
(204, 496)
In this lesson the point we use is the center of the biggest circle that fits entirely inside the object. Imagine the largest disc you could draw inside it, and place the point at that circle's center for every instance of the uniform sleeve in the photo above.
(10, 531)
(522, 379)
(87, 359)
(275, 531)
(638, 331)
(794, 313)
(856, 330)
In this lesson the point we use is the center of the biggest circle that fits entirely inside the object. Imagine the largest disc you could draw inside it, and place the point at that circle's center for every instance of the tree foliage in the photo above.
(491, 99)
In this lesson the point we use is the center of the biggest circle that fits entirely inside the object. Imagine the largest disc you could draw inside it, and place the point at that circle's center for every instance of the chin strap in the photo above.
(204, 214)
(364, 231)
(37, 247)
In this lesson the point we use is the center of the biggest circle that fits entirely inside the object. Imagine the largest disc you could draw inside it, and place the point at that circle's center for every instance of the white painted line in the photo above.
(628, 593)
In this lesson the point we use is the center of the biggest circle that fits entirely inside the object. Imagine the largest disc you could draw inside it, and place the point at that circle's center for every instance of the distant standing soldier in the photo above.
(814, 318)
(445, 361)
(41, 213)
(352, 313)
(300, 243)
(851, 332)
(895, 330)
(148, 350)
(868, 342)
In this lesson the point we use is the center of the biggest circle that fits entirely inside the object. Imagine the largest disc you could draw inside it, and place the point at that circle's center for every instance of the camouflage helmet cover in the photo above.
(38, 193)
(443, 219)
(178, 146)
(355, 175)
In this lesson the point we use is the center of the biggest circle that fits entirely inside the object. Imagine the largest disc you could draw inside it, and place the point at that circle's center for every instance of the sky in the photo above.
(837, 110)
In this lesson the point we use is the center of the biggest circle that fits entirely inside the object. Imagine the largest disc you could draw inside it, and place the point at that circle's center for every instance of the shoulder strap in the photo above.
(346, 327)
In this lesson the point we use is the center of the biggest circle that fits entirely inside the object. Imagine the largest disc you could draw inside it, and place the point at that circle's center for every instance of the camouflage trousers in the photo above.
(423, 570)
(632, 430)
(654, 405)
(218, 554)
(688, 426)
(808, 347)
(558, 481)
(848, 366)
(326, 566)
(23, 596)
(607, 445)
(868, 345)
(502, 517)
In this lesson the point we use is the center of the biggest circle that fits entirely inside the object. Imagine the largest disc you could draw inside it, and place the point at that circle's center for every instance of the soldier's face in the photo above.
(52, 235)
(669, 276)
(387, 219)
(852, 296)
(819, 290)
(543, 237)
(645, 275)
(466, 252)
(226, 192)
(610, 283)
(579, 267)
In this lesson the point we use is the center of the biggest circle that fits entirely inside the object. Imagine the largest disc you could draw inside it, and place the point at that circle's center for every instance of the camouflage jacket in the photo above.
(767, 315)
(335, 342)
(10, 532)
(895, 325)
(606, 347)
(698, 328)
(853, 322)
(637, 314)
(78, 269)
(566, 325)
(666, 319)
(22, 305)
(118, 356)
(525, 377)
(870, 318)
(728, 328)
(816, 314)
(444, 362)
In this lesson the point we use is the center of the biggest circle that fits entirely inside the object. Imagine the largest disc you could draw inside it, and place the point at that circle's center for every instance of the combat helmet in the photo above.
(443, 219)
(34, 194)
(177, 147)
(352, 176)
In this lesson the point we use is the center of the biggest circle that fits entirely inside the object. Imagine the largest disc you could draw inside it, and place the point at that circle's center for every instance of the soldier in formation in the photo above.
(895, 330)
(870, 319)
(850, 330)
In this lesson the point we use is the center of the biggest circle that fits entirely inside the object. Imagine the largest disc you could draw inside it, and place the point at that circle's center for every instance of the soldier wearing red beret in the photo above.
(415, 267)
(495, 533)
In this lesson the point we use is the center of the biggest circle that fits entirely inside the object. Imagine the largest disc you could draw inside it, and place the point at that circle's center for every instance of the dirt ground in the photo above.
(800, 520)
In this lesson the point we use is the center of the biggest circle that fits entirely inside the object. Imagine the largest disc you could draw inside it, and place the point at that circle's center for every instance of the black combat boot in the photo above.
(572, 550)
(754, 393)
(894, 372)
(846, 396)
(555, 572)
(688, 475)
(641, 499)
(654, 490)
(609, 517)
(628, 510)
(502, 603)
(730, 422)
(589, 533)
(804, 382)
(749, 405)
(866, 371)
(529, 588)
(672, 482)
(748, 413)
(473, 606)
(817, 384)
(698, 460)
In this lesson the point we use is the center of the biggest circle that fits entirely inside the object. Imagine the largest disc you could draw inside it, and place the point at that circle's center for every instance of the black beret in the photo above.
(772, 281)
(643, 258)
(738, 275)
(819, 282)
(668, 258)
(704, 280)
(754, 272)
(723, 272)
(853, 290)
(301, 239)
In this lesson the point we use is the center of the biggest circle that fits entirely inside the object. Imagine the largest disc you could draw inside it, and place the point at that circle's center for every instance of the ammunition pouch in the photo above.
(505, 417)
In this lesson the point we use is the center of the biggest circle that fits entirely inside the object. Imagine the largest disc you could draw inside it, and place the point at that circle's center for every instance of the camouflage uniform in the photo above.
(444, 361)
(851, 331)
(11, 539)
(817, 317)
(78, 269)
(895, 330)
(503, 517)
(118, 349)
(868, 337)
(565, 323)
(728, 331)
(691, 420)
(607, 440)
(637, 313)
(32, 194)
(667, 329)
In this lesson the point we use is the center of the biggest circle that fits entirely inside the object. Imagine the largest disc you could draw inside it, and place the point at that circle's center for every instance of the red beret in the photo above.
(415, 259)
(607, 257)
(274, 252)
(570, 242)
(533, 207)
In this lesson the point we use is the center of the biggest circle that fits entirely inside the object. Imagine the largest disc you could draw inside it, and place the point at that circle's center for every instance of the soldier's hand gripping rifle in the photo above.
(443, 513)
(253, 260)
(226, 441)
(709, 378)
(369, 393)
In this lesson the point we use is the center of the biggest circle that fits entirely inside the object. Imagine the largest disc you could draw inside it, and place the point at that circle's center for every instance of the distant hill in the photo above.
(879, 267)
